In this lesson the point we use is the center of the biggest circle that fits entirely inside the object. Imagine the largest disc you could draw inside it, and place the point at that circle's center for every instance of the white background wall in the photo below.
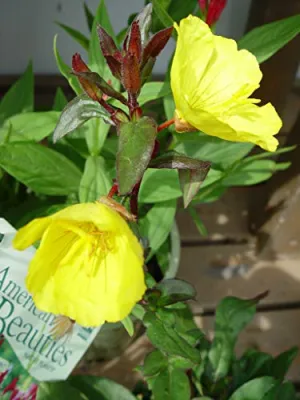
(27, 28)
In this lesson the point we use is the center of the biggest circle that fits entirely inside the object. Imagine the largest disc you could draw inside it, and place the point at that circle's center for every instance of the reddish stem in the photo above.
(134, 199)
(165, 124)
(113, 190)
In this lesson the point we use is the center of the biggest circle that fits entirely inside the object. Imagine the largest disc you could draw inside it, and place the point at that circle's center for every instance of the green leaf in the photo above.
(95, 132)
(60, 100)
(19, 97)
(157, 224)
(174, 160)
(255, 389)
(97, 61)
(285, 391)
(76, 35)
(250, 173)
(165, 338)
(169, 106)
(128, 325)
(153, 91)
(174, 291)
(252, 364)
(65, 70)
(266, 40)
(136, 143)
(191, 181)
(96, 388)
(282, 363)
(171, 384)
(95, 181)
(149, 92)
(162, 14)
(159, 185)
(232, 316)
(32, 126)
(179, 12)
(154, 363)
(267, 154)
(197, 221)
(58, 391)
(77, 112)
(209, 148)
(43, 170)
(89, 16)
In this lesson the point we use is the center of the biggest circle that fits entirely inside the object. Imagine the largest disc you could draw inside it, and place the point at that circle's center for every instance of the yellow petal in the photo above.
(194, 40)
(30, 233)
(68, 276)
(99, 214)
(211, 82)
(243, 123)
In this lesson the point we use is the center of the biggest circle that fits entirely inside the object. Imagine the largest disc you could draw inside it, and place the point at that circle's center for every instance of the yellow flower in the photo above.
(89, 265)
(211, 82)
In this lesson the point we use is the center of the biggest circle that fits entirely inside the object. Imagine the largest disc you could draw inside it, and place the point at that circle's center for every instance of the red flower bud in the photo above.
(134, 43)
(203, 5)
(131, 79)
(215, 10)
(78, 64)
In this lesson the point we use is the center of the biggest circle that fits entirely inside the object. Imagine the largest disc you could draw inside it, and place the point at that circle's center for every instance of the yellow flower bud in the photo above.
(88, 267)
(212, 81)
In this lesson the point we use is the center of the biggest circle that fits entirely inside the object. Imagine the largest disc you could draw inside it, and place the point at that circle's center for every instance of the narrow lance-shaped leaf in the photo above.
(60, 100)
(80, 67)
(191, 181)
(156, 44)
(136, 143)
(76, 35)
(144, 21)
(89, 16)
(95, 79)
(266, 40)
(110, 51)
(76, 113)
(95, 181)
(191, 172)
(65, 70)
(162, 15)
(19, 98)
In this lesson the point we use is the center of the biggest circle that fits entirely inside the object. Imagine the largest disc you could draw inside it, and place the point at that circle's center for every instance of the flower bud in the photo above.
(215, 10)
(134, 44)
(131, 79)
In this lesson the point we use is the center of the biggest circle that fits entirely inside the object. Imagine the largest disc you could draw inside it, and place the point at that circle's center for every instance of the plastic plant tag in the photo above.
(27, 329)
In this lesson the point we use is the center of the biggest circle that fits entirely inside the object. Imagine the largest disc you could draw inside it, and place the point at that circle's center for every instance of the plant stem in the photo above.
(165, 124)
(113, 190)
(134, 199)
